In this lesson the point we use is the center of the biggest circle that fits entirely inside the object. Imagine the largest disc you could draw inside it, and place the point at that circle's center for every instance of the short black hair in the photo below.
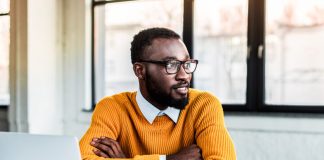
(145, 38)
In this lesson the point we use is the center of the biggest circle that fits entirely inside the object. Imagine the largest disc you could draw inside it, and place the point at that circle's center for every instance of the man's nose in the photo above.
(182, 74)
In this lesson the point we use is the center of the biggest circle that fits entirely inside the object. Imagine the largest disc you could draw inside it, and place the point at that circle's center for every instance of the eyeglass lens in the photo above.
(174, 66)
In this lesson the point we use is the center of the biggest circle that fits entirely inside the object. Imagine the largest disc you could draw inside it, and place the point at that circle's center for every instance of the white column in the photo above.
(18, 117)
(45, 113)
(35, 67)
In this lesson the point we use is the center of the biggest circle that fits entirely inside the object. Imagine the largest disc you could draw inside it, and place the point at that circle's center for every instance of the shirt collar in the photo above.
(150, 112)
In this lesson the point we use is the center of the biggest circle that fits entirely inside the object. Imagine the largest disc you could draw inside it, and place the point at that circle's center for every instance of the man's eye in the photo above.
(171, 65)
(187, 65)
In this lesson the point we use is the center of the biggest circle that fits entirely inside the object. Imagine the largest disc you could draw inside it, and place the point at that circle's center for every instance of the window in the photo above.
(220, 45)
(114, 29)
(294, 56)
(255, 55)
(4, 52)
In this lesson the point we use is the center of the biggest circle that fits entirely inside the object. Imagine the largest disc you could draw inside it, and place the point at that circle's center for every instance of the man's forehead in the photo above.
(164, 41)
(166, 49)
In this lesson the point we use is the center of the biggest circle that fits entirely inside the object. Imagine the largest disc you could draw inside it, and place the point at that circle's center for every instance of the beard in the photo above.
(157, 93)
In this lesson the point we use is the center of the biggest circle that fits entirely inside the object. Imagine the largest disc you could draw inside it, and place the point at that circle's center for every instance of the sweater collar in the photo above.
(150, 112)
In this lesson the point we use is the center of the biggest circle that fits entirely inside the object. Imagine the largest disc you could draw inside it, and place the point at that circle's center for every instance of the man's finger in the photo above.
(111, 143)
(114, 146)
(107, 149)
(195, 148)
(103, 148)
(100, 153)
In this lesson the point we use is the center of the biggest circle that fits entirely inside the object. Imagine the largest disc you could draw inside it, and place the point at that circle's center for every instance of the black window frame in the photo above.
(255, 87)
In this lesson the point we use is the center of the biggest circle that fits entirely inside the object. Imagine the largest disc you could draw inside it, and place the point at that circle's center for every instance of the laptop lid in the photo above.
(23, 146)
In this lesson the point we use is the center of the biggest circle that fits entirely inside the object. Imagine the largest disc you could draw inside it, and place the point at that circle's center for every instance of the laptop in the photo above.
(24, 146)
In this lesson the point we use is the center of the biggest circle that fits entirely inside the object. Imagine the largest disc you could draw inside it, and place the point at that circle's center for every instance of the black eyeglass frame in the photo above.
(165, 63)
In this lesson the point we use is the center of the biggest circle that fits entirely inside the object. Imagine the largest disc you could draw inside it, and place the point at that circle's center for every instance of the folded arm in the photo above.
(109, 148)
(106, 123)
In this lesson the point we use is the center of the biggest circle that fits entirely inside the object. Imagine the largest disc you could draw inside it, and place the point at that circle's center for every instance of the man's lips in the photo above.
(181, 89)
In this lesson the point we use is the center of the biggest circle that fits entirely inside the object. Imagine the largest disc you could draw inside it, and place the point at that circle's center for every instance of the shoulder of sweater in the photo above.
(202, 101)
(196, 94)
(123, 96)
(202, 104)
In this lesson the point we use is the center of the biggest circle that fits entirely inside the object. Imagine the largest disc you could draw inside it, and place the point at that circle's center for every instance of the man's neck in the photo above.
(149, 99)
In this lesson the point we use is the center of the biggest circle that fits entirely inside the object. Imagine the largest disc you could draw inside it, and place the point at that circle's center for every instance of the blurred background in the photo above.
(262, 59)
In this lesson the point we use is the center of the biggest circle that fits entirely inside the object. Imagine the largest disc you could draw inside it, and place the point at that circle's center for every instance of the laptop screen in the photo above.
(23, 146)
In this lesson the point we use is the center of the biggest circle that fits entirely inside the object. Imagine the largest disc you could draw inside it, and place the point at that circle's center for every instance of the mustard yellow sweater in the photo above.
(201, 122)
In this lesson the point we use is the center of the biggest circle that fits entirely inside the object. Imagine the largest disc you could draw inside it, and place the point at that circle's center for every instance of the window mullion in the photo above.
(255, 60)
(188, 28)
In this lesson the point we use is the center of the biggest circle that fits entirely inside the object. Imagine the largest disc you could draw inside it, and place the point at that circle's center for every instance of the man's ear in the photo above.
(139, 70)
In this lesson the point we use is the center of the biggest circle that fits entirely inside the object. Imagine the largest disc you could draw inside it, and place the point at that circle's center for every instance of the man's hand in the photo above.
(107, 148)
(192, 152)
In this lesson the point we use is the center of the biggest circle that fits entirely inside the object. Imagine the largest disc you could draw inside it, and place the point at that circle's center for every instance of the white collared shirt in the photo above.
(150, 112)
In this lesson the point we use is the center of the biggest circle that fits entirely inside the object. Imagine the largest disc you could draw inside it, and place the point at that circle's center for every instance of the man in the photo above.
(164, 119)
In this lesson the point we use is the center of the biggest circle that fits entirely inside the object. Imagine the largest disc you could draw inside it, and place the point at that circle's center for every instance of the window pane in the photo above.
(220, 46)
(294, 54)
(4, 60)
(4, 6)
(122, 21)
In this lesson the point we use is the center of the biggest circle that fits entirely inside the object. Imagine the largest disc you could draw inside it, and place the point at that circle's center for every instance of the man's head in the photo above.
(145, 38)
(163, 66)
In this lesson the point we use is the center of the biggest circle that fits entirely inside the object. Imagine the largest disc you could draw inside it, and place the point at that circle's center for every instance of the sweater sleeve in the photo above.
(105, 122)
(211, 134)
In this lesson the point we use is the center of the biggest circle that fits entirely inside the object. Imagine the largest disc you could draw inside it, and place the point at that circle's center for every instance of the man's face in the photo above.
(163, 88)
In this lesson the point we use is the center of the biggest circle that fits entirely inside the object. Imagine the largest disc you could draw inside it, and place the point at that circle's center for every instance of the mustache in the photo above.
(180, 85)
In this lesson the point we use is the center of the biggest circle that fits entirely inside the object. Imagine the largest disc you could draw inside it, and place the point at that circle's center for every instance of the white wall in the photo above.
(44, 50)
(277, 136)
(58, 82)
(35, 67)
(76, 64)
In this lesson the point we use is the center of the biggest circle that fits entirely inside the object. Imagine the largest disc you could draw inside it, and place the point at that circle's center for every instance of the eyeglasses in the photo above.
(173, 66)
